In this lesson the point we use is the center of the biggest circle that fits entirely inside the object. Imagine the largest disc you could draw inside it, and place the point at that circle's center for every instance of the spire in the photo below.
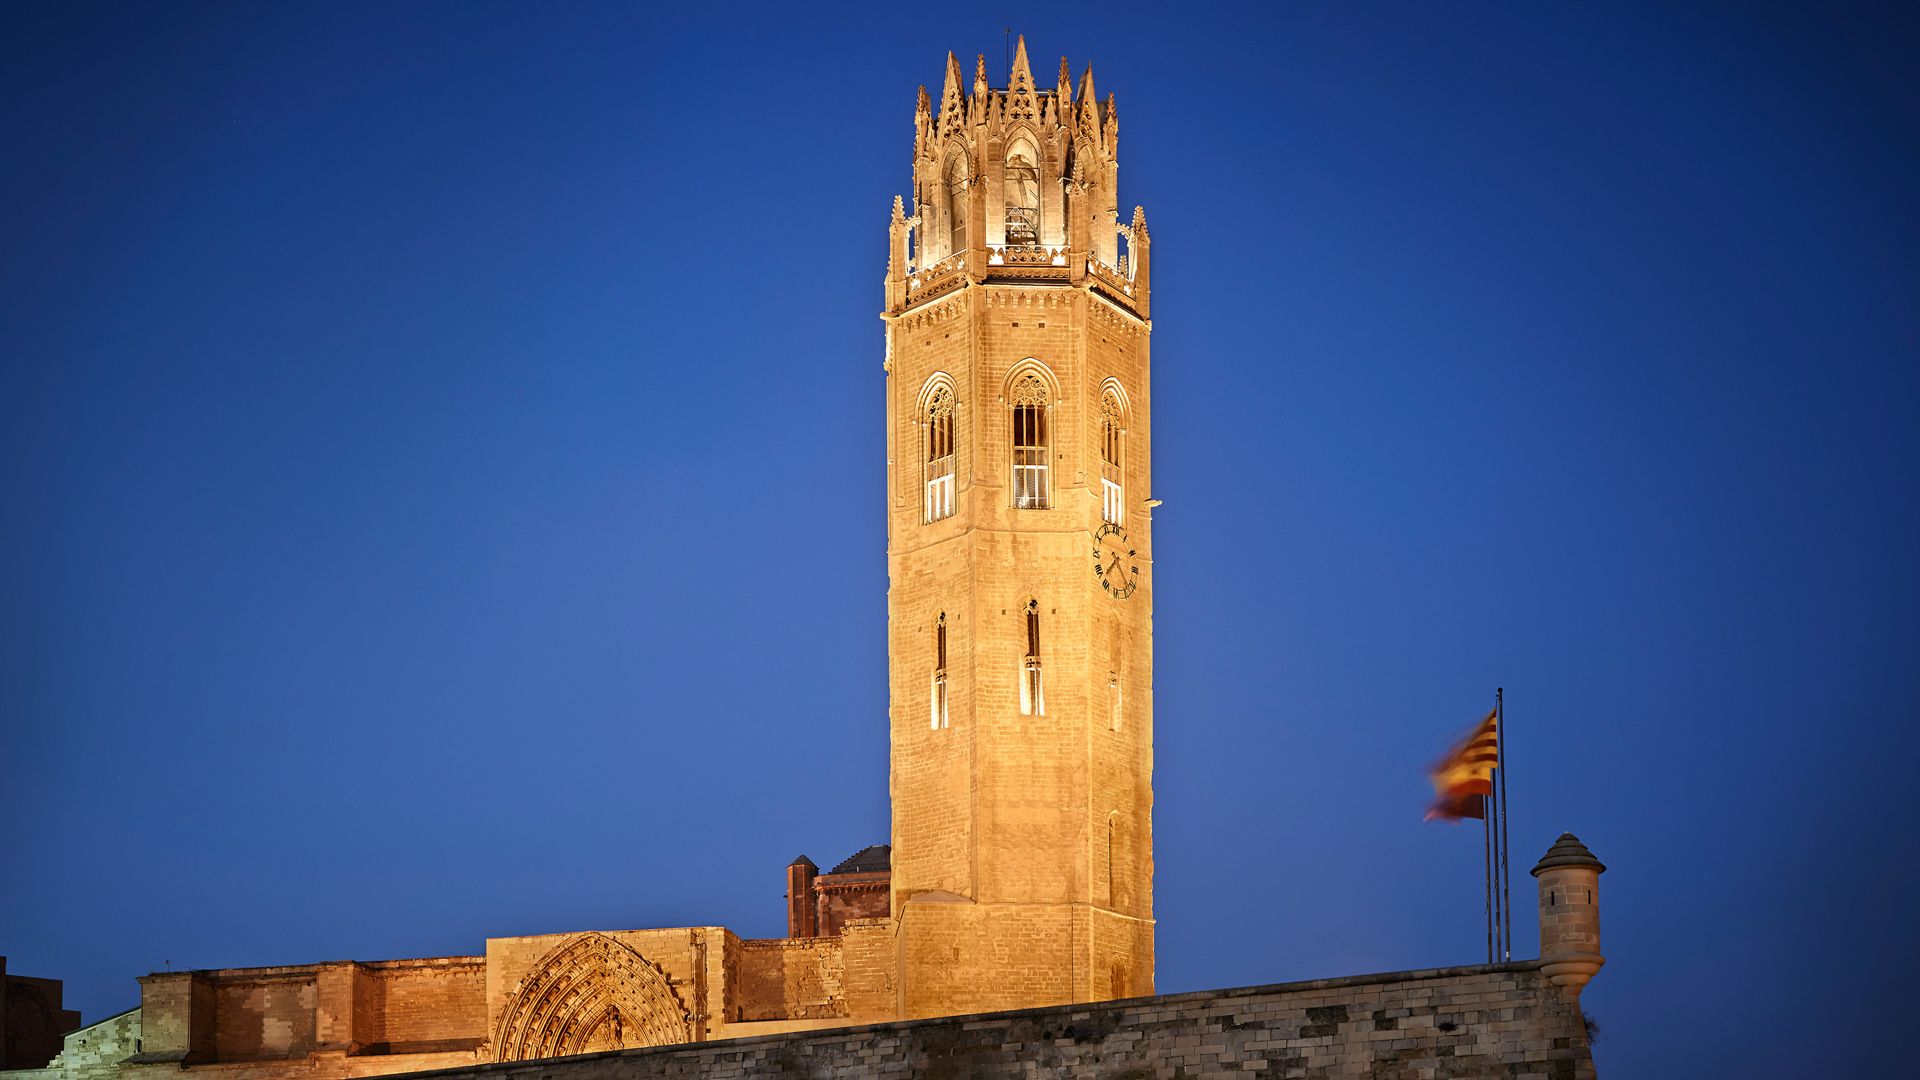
(922, 124)
(1022, 103)
(1064, 89)
(1111, 130)
(953, 78)
(953, 110)
(980, 80)
(1089, 108)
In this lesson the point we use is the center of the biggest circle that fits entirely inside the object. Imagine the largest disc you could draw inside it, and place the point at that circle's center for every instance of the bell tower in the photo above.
(1019, 555)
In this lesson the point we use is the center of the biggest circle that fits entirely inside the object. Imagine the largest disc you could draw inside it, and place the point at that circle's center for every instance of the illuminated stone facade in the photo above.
(1020, 546)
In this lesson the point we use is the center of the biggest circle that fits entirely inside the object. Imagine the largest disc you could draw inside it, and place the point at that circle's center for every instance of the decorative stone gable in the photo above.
(590, 993)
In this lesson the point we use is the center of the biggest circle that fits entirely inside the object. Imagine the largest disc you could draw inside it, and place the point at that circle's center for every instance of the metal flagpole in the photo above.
(1486, 857)
(1499, 918)
(1506, 873)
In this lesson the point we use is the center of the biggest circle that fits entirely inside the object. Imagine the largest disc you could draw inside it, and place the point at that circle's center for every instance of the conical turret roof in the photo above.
(1568, 851)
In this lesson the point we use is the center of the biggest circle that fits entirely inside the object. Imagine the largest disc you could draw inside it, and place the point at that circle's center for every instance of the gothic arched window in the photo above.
(1030, 450)
(956, 204)
(937, 474)
(1021, 195)
(1113, 489)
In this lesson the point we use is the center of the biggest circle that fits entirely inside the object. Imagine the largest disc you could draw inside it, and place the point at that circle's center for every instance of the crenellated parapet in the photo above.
(1016, 184)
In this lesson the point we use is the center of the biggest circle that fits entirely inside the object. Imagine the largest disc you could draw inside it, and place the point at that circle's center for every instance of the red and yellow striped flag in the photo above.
(1464, 778)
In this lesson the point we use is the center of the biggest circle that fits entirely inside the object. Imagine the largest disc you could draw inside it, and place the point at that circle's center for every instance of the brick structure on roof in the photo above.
(821, 905)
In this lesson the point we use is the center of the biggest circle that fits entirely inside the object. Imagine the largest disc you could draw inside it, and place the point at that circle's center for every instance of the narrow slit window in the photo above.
(1033, 701)
(937, 474)
(1030, 450)
(1110, 888)
(939, 713)
(1113, 700)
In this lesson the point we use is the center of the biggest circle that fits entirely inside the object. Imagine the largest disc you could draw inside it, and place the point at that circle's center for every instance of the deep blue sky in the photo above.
(441, 454)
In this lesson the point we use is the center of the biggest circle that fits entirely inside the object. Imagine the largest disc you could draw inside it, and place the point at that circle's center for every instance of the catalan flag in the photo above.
(1464, 778)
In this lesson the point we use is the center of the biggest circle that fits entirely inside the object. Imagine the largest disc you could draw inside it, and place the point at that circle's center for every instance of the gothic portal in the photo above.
(1019, 555)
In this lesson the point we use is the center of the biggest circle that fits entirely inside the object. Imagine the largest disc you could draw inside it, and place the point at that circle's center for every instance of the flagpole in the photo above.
(1486, 858)
(1506, 873)
(1493, 830)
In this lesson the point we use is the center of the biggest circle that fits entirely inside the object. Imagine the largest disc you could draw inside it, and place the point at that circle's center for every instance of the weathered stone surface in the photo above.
(1022, 820)
(1498, 1021)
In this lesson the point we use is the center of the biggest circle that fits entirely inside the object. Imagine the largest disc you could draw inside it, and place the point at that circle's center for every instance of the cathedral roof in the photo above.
(867, 860)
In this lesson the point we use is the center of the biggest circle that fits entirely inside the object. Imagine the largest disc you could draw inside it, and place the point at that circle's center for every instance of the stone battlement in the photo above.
(1503, 1020)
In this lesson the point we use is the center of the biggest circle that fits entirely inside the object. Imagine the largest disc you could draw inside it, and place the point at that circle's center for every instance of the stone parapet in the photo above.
(1495, 1020)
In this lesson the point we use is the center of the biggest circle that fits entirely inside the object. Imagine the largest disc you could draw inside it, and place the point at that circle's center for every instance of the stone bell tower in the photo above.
(1019, 555)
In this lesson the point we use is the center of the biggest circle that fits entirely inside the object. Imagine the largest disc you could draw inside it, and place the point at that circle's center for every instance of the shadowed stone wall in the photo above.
(1502, 1020)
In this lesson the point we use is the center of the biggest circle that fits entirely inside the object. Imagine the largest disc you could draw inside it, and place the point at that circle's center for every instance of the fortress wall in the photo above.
(1499, 1020)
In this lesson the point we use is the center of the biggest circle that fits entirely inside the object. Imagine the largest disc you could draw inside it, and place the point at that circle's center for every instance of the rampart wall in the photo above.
(1501, 1020)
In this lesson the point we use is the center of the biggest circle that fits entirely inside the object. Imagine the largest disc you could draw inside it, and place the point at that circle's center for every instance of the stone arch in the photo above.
(937, 384)
(956, 180)
(589, 993)
(1026, 370)
(1111, 388)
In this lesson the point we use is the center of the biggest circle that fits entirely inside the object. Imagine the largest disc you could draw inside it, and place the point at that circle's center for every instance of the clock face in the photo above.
(1115, 562)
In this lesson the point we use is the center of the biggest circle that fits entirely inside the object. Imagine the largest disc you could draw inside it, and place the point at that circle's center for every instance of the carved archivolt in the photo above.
(590, 993)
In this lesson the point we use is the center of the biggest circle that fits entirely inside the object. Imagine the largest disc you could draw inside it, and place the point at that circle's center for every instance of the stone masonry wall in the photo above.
(790, 979)
(1486, 1021)
(93, 1052)
(426, 1005)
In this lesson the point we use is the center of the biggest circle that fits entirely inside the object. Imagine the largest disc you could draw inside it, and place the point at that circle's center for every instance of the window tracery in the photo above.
(1031, 456)
(1113, 505)
(937, 470)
